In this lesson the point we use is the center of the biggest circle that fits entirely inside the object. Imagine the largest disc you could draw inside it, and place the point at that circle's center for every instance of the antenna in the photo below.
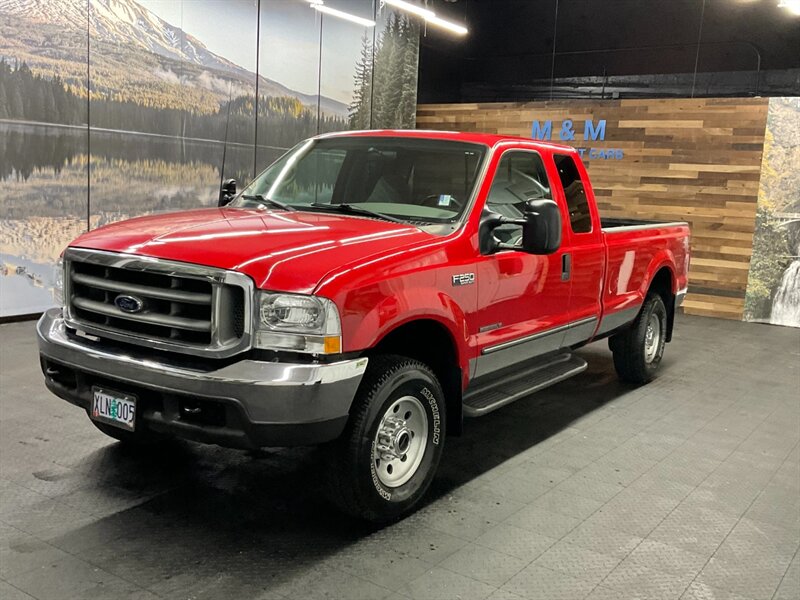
(225, 141)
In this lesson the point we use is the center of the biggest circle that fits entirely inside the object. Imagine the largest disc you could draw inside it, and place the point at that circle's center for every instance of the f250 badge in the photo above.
(464, 279)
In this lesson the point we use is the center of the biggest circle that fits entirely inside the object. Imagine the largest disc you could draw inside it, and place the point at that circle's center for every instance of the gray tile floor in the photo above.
(686, 488)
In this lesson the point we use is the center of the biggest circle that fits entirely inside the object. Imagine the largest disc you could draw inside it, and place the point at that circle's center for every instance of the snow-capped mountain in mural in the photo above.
(133, 51)
(116, 20)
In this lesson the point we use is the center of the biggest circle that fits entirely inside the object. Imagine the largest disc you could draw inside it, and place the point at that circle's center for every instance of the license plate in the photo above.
(114, 408)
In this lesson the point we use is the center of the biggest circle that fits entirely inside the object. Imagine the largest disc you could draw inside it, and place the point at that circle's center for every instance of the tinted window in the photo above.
(580, 217)
(520, 177)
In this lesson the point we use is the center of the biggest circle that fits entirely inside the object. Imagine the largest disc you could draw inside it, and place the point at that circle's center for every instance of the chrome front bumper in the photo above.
(248, 403)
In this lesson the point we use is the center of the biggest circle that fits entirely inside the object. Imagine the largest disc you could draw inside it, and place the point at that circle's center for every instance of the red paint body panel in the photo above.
(634, 257)
(283, 251)
(381, 274)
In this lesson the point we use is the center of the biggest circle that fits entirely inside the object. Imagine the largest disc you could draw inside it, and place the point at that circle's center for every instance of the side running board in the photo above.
(491, 395)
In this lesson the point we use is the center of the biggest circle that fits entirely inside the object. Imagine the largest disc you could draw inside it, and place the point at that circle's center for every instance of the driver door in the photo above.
(523, 300)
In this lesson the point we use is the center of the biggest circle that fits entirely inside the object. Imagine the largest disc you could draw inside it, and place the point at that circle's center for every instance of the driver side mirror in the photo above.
(227, 192)
(541, 227)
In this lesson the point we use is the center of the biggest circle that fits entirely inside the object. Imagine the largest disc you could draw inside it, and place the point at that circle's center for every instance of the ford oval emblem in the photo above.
(129, 304)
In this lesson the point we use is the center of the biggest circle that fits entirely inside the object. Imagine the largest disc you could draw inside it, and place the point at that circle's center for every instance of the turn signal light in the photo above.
(332, 344)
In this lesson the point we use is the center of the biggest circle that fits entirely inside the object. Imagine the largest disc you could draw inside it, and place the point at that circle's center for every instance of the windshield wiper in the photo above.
(354, 210)
(265, 200)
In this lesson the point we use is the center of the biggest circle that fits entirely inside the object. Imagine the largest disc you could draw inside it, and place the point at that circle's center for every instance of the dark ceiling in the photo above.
(627, 47)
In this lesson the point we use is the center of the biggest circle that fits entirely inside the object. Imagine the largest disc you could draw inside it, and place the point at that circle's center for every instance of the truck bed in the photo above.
(612, 225)
(635, 251)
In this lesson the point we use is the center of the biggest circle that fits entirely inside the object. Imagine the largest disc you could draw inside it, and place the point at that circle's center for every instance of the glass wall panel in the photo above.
(172, 100)
(288, 68)
(120, 108)
(394, 82)
(346, 73)
(43, 147)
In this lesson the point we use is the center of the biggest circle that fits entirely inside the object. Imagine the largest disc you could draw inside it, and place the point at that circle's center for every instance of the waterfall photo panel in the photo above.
(773, 287)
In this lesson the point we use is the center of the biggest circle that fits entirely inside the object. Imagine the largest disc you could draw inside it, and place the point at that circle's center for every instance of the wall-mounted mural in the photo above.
(116, 108)
(43, 144)
(773, 288)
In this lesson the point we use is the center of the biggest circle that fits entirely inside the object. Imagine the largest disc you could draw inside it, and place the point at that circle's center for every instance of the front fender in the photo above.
(368, 318)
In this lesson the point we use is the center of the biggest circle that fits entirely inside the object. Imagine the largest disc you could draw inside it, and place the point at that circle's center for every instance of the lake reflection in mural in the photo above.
(46, 204)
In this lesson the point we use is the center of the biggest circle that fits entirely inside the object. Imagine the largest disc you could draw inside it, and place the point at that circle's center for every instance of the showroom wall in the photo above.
(698, 160)
(115, 108)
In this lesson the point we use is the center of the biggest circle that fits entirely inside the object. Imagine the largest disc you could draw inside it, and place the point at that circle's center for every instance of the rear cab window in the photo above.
(580, 214)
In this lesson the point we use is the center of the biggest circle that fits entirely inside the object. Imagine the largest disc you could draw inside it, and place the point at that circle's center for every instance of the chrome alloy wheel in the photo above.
(652, 338)
(400, 441)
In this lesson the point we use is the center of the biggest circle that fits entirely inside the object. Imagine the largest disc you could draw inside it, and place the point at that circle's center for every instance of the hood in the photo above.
(280, 250)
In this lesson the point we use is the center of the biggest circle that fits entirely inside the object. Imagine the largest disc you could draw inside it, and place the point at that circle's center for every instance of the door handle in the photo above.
(566, 266)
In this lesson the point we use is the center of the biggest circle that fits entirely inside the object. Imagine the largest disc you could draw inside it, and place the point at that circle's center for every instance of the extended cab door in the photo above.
(584, 253)
(522, 298)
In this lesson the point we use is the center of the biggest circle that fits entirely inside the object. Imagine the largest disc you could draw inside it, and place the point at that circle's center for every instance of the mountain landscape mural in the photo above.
(116, 108)
(136, 55)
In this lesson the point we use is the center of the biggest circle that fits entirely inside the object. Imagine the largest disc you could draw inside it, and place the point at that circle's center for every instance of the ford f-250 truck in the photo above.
(367, 291)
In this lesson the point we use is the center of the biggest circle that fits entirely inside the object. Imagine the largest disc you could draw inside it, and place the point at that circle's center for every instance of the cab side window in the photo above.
(580, 217)
(520, 177)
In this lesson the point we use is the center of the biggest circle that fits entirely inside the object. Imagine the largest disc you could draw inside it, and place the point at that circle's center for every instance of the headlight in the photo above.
(58, 282)
(299, 323)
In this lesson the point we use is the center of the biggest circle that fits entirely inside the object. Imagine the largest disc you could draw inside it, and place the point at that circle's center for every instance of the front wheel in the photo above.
(638, 350)
(388, 454)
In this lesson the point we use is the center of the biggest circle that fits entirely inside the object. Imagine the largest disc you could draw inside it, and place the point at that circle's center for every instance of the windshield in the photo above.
(408, 179)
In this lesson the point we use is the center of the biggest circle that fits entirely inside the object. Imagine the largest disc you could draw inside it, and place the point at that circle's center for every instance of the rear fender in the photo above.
(663, 260)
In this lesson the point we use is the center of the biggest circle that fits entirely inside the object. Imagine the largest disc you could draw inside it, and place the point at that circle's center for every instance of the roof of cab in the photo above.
(487, 139)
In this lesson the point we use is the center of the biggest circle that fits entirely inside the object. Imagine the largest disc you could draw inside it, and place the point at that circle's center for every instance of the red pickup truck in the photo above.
(366, 291)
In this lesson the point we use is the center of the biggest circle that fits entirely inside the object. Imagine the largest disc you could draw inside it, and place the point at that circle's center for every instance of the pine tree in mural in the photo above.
(408, 75)
(386, 89)
(385, 77)
(362, 96)
(3, 101)
(28, 97)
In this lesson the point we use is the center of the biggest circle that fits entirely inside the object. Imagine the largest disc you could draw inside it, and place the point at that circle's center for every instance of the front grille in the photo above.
(175, 306)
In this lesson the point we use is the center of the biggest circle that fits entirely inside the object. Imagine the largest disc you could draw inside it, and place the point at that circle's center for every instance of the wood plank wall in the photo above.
(697, 160)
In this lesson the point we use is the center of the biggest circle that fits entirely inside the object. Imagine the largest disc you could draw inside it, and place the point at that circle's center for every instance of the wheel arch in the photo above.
(663, 284)
(431, 342)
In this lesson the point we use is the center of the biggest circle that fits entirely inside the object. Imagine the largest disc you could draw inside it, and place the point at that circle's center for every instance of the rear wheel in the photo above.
(388, 454)
(638, 350)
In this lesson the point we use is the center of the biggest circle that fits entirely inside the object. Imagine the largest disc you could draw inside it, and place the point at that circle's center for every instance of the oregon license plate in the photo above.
(114, 408)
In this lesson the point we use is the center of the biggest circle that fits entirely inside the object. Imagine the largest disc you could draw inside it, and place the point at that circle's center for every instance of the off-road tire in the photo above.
(629, 347)
(352, 478)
